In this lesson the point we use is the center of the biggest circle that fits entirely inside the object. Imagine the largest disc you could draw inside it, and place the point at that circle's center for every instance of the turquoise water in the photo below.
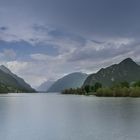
(68, 117)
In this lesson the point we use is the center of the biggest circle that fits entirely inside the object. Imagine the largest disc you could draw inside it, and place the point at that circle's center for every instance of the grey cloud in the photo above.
(59, 33)
(108, 52)
(3, 28)
(96, 18)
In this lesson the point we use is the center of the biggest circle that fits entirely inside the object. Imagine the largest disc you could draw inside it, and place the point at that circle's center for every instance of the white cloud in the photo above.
(26, 70)
(17, 66)
(8, 54)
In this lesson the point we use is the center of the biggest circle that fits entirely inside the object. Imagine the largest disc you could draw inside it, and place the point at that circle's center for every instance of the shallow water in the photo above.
(68, 117)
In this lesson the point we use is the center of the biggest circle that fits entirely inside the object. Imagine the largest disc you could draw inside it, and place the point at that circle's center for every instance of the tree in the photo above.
(97, 86)
(92, 88)
(124, 84)
(87, 88)
(136, 84)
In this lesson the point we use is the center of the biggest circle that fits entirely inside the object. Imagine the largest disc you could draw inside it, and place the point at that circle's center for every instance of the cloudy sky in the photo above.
(46, 39)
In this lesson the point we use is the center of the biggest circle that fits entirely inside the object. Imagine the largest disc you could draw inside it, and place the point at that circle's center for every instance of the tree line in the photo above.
(121, 89)
(11, 89)
(86, 90)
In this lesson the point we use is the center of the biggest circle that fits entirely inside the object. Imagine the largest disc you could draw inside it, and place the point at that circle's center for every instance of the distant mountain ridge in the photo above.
(45, 86)
(127, 70)
(72, 80)
(9, 79)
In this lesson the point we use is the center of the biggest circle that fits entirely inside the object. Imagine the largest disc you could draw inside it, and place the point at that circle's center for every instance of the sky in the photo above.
(44, 40)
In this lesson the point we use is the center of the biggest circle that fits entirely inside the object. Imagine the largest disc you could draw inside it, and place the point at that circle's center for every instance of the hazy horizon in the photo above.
(43, 40)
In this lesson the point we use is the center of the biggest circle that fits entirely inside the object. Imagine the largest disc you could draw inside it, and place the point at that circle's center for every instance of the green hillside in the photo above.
(9, 82)
(127, 70)
(72, 80)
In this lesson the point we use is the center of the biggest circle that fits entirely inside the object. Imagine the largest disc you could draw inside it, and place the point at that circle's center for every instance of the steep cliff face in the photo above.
(127, 70)
(11, 80)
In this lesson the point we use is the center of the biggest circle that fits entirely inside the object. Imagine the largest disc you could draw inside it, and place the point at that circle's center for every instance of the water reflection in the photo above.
(60, 117)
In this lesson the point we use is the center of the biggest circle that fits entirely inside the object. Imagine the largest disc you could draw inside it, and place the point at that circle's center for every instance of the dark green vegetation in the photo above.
(11, 89)
(75, 91)
(118, 80)
(123, 89)
(10, 82)
(73, 80)
(87, 90)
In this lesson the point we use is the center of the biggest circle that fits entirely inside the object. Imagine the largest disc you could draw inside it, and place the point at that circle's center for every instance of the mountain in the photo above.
(45, 86)
(138, 63)
(72, 80)
(127, 70)
(11, 80)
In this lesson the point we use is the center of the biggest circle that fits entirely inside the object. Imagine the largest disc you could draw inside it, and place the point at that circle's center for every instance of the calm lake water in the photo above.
(67, 117)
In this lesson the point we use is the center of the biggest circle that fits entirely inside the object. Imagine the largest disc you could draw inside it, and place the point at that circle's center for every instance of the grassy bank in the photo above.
(118, 92)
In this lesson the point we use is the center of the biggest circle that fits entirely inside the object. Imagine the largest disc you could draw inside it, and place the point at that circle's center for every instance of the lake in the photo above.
(68, 117)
